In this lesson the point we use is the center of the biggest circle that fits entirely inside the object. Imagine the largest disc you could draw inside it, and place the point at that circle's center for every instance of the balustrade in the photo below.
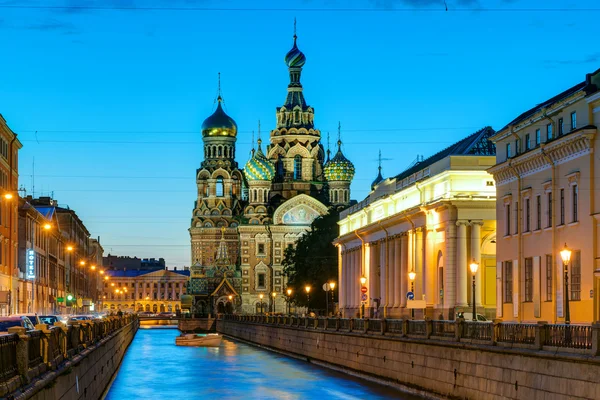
(569, 336)
(8, 356)
(443, 328)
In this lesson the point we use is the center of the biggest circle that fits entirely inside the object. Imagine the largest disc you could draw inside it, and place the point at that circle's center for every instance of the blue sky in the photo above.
(109, 102)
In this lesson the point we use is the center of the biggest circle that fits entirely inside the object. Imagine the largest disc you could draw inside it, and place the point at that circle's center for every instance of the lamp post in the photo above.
(289, 293)
(273, 295)
(260, 296)
(332, 286)
(363, 280)
(307, 289)
(565, 254)
(474, 266)
(231, 301)
(412, 275)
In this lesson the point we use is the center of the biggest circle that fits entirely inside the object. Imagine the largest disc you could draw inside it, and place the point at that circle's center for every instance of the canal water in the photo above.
(154, 368)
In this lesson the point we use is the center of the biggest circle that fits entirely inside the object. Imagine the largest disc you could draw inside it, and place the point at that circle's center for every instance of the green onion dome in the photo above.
(294, 57)
(259, 168)
(219, 123)
(339, 168)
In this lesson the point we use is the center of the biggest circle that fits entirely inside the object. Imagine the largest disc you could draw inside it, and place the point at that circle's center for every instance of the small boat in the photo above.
(192, 339)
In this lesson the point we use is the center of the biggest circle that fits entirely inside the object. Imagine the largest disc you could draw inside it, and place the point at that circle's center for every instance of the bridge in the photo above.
(183, 324)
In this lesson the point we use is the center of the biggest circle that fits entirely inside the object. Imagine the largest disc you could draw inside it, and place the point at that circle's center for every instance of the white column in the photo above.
(476, 255)
(373, 262)
(430, 263)
(391, 280)
(461, 263)
(382, 273)
(450, 267)
(341, 280)
(398, 278)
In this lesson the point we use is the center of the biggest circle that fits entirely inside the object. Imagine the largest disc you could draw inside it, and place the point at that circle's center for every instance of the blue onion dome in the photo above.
(219, 123)
(377, 180)
(339, 168)
(259, 168)
(294, 57)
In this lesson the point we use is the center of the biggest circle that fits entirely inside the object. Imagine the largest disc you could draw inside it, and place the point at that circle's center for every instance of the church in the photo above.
(244, 219)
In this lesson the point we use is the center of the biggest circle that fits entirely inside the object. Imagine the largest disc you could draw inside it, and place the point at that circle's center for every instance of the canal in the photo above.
(154, 368)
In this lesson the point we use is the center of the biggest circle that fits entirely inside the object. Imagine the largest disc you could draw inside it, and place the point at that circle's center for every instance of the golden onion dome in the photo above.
(219, 123)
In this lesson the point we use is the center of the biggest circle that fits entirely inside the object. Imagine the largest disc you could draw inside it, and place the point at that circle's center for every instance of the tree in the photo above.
(313, 262)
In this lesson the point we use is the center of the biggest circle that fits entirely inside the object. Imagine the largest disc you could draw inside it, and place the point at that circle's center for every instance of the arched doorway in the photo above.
(162, 308)
(221, 308)
(140, 307)
(170, 308)
(228, 308)
(154, 308)
(147, 307)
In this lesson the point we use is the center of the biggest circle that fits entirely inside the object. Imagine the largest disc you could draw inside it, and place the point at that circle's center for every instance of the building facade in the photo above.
(546, 181)
(433, 219)
(254, 214)
(9, 204)
(141, 290)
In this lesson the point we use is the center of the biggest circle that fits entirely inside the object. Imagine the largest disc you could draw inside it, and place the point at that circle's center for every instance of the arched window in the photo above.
(335, 196)
(220, 151)
(220, 187)
(298, 167)
(279, 167)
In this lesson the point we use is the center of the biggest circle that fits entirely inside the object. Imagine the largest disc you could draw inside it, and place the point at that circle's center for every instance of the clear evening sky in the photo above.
(109, 101)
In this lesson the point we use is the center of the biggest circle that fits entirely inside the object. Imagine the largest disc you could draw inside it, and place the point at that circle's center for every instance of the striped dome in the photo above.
(339, 168)
(294, 57)
(259, 168)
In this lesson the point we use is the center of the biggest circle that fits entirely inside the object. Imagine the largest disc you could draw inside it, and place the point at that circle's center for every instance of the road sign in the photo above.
(326, 287)
(363, 297)
(416, 304)
(364, 289)
(60, 299)
(410, 295)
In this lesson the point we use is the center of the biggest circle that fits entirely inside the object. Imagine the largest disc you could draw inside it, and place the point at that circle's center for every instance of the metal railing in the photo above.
(35, 349)
(515, 333)
(443, 328)
(8, 356)
(574, 338)
(569, 336)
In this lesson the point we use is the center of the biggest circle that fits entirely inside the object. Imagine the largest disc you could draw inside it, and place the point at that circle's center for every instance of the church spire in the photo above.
(328, 149)
(379, 178)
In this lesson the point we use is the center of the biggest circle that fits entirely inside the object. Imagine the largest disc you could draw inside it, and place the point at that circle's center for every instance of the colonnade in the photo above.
(386, 263)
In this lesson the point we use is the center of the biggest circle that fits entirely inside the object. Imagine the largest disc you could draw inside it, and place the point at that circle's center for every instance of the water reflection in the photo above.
(154, 368)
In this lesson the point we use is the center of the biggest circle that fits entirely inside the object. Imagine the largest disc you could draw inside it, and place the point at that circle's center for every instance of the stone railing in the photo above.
(25, 355)
(583, 339)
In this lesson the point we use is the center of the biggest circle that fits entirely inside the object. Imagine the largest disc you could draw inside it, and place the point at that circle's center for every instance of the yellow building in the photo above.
(139, 290)
(434, 219)
(546, 176)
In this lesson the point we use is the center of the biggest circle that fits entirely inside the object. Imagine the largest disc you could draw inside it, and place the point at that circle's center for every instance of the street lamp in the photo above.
(307, 289)
(47, 226)
(363, 280)
(565, 254)
(8, 196)
(332, 286)
(412, 275)
(289, 293)
(261, 302)
(474, 266)
(274, 294)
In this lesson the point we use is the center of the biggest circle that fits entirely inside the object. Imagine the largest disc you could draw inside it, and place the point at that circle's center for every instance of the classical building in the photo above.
(253, 215)
(140, 290)
(134, 263)
(433, 219)
(546, 181)
(9, 176)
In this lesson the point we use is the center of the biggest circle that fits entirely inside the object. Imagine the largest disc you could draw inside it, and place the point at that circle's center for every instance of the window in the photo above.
(261, 280)
(527, 142)
(576, 276)
(279, 167)
(561, 126)
(507, 219)
(527, 216)
(508, 282)
(508, 155)
(220, 187)
(261, 248)
(574, 200)
(516, 213)
(562, 206)
(573, 120)
(529, 279)
(538, 137)
(297, 167)
(517, 147)
(549, 132)
(549, 210)
(538, 225)
(549, 277)
(140, 296)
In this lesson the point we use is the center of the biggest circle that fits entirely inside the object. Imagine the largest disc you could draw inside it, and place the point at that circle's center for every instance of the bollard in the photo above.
(428, 327)
(459, 329)
(540, 334)
(405, 327)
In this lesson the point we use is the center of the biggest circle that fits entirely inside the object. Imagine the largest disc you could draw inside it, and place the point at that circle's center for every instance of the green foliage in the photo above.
(313, 262)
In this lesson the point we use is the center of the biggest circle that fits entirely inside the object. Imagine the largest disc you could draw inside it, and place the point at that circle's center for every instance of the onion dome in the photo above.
(377, 180)
(259, 168)
(294, 57)
(219, 123)
(339, 168)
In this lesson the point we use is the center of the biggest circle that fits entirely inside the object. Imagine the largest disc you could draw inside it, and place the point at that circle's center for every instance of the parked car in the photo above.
(33, 318)
(146, 314)
(468, 316)
(48, 319)
(9, 322)
(166, 314)
(79, 318)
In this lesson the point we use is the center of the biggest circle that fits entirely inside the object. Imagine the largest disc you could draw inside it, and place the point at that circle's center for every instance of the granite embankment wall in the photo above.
(88, 358)
(445, 369)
